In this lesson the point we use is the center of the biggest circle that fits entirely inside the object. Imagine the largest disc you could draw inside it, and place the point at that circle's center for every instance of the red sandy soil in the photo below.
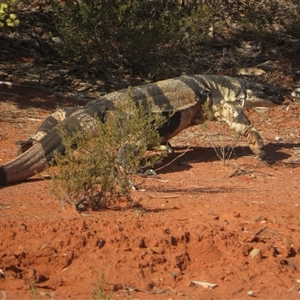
(198, 220)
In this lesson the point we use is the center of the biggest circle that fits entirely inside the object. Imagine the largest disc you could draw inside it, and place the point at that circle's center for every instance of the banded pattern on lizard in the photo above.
(225, 98)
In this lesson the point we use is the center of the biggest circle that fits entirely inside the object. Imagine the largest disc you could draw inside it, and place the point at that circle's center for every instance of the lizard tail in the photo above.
(32, 161)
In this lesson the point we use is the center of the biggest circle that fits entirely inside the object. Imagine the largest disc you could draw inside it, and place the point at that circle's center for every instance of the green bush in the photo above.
(141, 36)
(103, 168)
(157, 39)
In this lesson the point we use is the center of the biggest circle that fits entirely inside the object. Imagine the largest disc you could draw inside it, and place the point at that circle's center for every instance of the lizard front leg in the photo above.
(237, 121)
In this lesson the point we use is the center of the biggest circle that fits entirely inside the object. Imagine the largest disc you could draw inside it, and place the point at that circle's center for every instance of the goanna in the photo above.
(187, 97)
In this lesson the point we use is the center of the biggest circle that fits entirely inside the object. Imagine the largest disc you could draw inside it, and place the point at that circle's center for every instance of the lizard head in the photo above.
(261, 95)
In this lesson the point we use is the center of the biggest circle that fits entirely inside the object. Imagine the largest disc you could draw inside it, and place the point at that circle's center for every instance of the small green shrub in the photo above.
(103, 168)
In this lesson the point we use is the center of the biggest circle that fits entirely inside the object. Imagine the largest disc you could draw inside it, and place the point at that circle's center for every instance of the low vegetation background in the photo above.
(159, 39)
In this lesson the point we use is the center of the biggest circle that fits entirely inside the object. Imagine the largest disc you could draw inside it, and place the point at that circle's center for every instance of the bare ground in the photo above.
(198, 221)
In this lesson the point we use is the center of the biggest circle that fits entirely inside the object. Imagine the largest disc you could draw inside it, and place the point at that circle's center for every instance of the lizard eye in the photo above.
(204, 95)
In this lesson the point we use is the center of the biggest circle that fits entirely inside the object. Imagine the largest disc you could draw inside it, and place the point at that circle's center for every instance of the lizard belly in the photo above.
(179, 121)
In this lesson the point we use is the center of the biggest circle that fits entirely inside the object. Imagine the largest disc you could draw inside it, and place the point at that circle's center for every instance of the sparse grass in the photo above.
(99, 290)
(34, 291)
(103, 168)
(137, 213)
(220, 142)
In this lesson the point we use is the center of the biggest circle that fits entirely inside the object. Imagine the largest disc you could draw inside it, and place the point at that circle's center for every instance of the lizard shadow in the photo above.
(176, 162)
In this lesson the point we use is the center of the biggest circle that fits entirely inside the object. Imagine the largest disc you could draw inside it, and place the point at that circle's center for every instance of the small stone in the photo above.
(255, 252)
(3, 74)
(57, 40)
(45, 245)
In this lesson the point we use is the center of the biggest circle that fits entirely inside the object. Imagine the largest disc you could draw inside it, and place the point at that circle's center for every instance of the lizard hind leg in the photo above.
(24, 145)
(48, 124)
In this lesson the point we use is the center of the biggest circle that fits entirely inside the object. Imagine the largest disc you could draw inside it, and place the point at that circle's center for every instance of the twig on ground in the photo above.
(185, 151)
(235, 172)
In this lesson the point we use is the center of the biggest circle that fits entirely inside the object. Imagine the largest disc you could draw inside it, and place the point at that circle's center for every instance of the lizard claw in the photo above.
(148, 173)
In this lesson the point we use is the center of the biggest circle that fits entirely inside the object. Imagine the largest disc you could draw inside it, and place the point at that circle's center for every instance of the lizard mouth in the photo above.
(275, 96)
